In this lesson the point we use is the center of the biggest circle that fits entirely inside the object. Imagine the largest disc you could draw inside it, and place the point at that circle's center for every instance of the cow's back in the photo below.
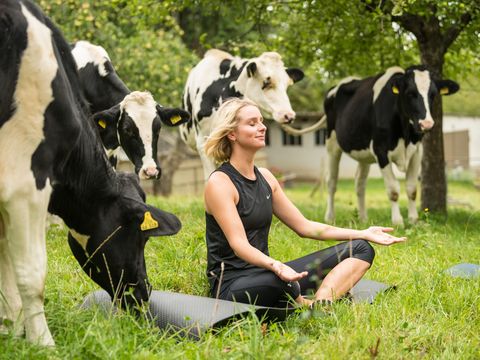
(349, 114)
(206, 84)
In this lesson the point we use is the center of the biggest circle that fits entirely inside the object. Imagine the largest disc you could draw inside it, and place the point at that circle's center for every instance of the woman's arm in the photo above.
(220, 199)
(288, 213)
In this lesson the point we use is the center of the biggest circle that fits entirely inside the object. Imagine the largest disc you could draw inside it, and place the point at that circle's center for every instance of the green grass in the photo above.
(430, 315)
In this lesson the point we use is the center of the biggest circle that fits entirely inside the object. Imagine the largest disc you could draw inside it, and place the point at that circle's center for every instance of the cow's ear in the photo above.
(251, 69)
(172, 116)
(396, 86)
(107, 118)
(295, 74)
(156, 222)
(447, 87)
(106, 123)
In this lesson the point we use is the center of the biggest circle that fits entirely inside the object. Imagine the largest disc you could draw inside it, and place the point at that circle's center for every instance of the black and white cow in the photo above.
(381, 119)
(127, 120)
(219, 76)
(51, 158)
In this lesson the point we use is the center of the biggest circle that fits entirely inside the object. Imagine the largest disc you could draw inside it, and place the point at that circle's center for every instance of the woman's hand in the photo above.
(378, 235)
(286, 273)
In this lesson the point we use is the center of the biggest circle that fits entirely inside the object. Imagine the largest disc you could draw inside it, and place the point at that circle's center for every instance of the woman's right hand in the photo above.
(286, 273)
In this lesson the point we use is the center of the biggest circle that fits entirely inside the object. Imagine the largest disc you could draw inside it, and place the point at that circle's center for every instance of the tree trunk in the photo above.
(434, 180)
(170, 161)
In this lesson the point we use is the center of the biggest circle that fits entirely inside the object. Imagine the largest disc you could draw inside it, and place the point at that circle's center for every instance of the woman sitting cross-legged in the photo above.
(239, 202)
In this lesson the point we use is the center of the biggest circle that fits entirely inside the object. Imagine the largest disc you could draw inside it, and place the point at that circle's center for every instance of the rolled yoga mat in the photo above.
(191, 315)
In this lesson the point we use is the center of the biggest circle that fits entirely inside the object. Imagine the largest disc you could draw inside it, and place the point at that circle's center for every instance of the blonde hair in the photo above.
(217, 145)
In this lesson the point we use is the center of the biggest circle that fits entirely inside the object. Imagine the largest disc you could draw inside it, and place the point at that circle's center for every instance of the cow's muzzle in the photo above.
(285, 117)
(150, 172)
(426, 125)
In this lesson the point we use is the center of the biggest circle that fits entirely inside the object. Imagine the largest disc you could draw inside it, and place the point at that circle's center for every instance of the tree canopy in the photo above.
(154, 44)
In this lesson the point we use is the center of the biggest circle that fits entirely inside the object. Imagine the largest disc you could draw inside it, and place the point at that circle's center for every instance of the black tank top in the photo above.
(255, 210)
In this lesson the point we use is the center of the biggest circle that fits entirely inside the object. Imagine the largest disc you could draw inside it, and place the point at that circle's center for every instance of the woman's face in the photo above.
(250, 131)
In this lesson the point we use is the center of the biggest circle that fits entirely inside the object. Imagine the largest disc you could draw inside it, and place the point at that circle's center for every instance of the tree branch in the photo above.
(413, 23)
(452, 33)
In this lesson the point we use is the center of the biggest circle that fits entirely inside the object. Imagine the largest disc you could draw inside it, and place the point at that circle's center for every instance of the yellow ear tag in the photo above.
(444, 91)
(395, 90)
(102, 124)
(148, 222)
(175, 119)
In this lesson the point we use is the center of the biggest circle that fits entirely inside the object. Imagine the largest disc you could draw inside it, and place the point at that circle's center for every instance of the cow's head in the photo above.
(100, 83)
(265, 80)
(416, 90)
(110, 249)
(135, 124)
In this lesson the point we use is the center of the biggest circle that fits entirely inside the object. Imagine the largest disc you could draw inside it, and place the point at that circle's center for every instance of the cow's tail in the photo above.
(322, 123)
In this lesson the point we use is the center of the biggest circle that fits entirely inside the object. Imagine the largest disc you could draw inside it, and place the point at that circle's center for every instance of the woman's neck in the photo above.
(244, 164)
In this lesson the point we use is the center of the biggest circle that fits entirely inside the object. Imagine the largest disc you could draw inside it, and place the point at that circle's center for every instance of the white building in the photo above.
(306, 155)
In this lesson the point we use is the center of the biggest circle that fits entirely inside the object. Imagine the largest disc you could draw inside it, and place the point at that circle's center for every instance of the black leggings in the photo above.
(267, 289)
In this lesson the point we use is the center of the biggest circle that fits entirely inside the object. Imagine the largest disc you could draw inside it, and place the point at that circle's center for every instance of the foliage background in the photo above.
(154, 44)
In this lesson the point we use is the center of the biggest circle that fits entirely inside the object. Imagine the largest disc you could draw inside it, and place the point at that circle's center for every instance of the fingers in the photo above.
(292, 275)
(381, 228)
(393, 240)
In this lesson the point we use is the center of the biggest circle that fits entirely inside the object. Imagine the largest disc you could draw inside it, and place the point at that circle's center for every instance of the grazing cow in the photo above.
(381, 119)
(219, 76)
(127, 120)
(51, 159)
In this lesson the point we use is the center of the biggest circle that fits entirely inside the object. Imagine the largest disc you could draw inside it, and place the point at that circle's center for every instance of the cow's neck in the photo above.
(85, 180)
(237, 85)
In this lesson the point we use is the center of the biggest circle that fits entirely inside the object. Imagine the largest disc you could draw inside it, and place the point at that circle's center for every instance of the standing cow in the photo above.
(51, 157)
(381, 119)
(219, 76)
(125, 119)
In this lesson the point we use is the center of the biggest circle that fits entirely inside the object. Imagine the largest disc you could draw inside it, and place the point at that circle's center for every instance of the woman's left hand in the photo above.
(378, 235)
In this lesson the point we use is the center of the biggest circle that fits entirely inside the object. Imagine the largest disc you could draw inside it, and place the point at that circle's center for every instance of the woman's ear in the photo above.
(231, 136)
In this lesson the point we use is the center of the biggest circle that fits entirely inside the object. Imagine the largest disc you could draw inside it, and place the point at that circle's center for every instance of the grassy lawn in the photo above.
(430, 315)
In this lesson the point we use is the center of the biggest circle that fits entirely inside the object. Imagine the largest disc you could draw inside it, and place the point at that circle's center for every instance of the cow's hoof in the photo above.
(329, 219)
(363, 219)
(44, 340)
(412, 220)
(398, 222)
(7, 326)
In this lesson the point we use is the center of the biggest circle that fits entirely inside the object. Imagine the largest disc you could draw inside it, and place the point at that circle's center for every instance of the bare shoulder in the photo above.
(218, 178)
(220, 183)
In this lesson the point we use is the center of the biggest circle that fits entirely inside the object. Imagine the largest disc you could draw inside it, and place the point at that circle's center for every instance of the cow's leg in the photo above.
(393, 190)
(411, 185)
(334, 155)
(360, 184)
(10, 302)
(27, 249)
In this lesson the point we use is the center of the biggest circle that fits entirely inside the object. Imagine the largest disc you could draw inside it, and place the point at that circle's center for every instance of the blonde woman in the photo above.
(240, 200)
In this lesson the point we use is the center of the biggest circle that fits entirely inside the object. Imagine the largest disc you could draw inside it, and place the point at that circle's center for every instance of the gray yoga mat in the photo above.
(366, 290)
(465, 271)
(192, 315)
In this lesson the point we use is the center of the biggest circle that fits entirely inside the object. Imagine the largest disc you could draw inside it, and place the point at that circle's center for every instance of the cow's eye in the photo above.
(267, 83)
(412, 94)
